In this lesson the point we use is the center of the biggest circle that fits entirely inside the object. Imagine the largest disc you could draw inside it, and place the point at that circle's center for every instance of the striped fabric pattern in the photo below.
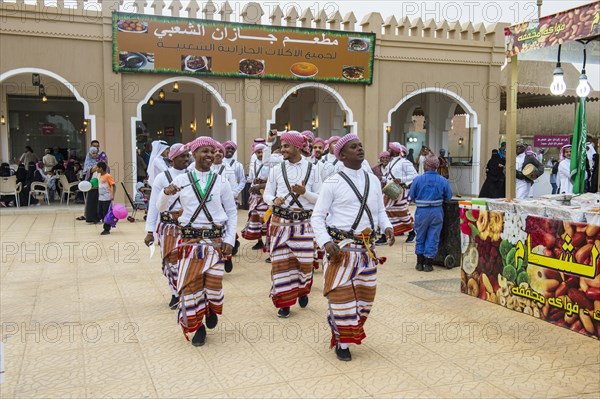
(200, 284)
(349, 285)
(255, 228)
(292, 255)
(168, 236)
(398, 213)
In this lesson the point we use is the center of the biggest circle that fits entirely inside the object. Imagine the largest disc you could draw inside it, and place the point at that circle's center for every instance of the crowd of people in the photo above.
(311, 200)
(47, 170)
(560, 177)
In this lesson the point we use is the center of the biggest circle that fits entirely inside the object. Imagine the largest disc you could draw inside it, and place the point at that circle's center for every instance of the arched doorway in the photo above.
(439, 119)
(59, 119)
(313, 106)
(187, 108)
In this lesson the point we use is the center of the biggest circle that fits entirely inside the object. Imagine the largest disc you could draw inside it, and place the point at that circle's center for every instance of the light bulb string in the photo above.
(584, 59)
(558, 61)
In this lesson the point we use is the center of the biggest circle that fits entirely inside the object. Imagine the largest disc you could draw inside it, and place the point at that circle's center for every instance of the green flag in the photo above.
(578, 153)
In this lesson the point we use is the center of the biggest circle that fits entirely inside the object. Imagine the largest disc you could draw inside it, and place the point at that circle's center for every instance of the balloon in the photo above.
(120, 211)
(94, 182)
(85, 186)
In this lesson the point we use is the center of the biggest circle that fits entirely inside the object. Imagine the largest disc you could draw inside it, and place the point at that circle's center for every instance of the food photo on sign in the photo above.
(206, 47)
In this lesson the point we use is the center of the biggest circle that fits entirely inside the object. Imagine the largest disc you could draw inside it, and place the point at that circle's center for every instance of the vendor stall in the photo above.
(540, 256)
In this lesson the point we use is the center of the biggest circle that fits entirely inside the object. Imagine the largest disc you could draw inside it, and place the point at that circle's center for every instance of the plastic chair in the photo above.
(67, 188)
(10, 187)
(38, 188)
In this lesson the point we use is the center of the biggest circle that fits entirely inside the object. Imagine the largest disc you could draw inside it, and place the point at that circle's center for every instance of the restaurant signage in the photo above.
(565, 26)
(154, 44)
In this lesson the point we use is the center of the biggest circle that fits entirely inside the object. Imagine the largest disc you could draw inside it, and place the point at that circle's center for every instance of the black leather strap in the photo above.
(362, 198)
(202, 206)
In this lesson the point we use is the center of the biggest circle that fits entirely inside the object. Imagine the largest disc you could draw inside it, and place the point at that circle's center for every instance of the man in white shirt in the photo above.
(403, 172)
(350, 207)
(157, 163)
(318, 147)
(208, 221)
(258, 174)
(238, 168)
(292, 190)
(332, 165)
(165, 225)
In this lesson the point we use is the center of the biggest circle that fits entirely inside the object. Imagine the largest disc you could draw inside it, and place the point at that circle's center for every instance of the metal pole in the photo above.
(511, 129)
(539, 5)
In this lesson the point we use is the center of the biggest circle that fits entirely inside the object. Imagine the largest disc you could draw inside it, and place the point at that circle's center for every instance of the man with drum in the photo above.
(528, 170)
(399, 177)
(208, 221)
(165, 224)
(292, 191)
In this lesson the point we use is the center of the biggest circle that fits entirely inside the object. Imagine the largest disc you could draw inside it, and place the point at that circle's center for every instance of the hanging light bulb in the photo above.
(583, 90)
(161, 94)
(558, 85)
(151, 102)
(176, 87)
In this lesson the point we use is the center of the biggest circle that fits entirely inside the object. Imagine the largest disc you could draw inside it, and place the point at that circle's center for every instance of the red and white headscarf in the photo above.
(230, 143)
(202, 141)
(219, 146)
(399, 148)
(294, 138)
(432, 162)
(258, 147)
(308, 134)
(562, 151)
(332, 140)
(339, 146)
(176, 150)
(384, 154)
(319, 140)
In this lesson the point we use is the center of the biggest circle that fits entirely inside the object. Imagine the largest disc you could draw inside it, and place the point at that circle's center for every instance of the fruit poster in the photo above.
(545, 268)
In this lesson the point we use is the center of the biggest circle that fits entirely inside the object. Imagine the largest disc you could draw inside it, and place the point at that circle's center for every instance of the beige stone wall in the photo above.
(409, 56)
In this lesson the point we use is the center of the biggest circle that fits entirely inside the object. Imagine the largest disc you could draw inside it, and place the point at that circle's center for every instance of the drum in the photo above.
(393, 190)
(530, 171)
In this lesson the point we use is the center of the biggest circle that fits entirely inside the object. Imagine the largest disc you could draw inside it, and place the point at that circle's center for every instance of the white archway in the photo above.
(66, 83)
(473, 123)
(338, 97)
(138, 117)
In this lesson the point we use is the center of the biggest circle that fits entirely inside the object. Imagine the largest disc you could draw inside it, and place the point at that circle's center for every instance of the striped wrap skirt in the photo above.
(168, 235)
(350, 282)
(200, 284)
(292, 254)
(399, 214)
(255, 228)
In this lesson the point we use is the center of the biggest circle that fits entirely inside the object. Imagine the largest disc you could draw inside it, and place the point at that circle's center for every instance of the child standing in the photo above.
(106, 193)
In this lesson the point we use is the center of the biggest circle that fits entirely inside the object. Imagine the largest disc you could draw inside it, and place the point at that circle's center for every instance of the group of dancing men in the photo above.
(310, 199)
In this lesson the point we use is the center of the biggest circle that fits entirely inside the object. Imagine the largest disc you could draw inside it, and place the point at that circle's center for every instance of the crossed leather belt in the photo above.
(340, 235)
(288, 214)
(169, 217)
(191, 232)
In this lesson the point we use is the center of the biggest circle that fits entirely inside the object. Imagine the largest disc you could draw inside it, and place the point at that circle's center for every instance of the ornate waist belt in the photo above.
(190, 232)
(343, 235)
(170, 217)
(290, 214)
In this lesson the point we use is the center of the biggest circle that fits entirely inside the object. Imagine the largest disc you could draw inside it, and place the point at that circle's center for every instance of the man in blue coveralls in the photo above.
(429, 191)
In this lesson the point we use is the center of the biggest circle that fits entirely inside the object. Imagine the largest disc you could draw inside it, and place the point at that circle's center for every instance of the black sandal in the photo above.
(80, 218)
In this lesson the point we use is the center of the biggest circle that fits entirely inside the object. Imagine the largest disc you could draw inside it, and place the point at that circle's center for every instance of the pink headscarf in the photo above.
(219, 146)
(399, 148)
(384, 154)
(529, 151)
(259, 147)
(331, 140)
(432, 162)
(562, 151)
(294, 138)
(202, 141)
(176, 150)
(230, 143)
(308, 134)
(319, 140)
(339, 146)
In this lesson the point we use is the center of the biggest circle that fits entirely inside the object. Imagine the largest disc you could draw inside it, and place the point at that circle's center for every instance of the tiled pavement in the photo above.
(87, 316)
